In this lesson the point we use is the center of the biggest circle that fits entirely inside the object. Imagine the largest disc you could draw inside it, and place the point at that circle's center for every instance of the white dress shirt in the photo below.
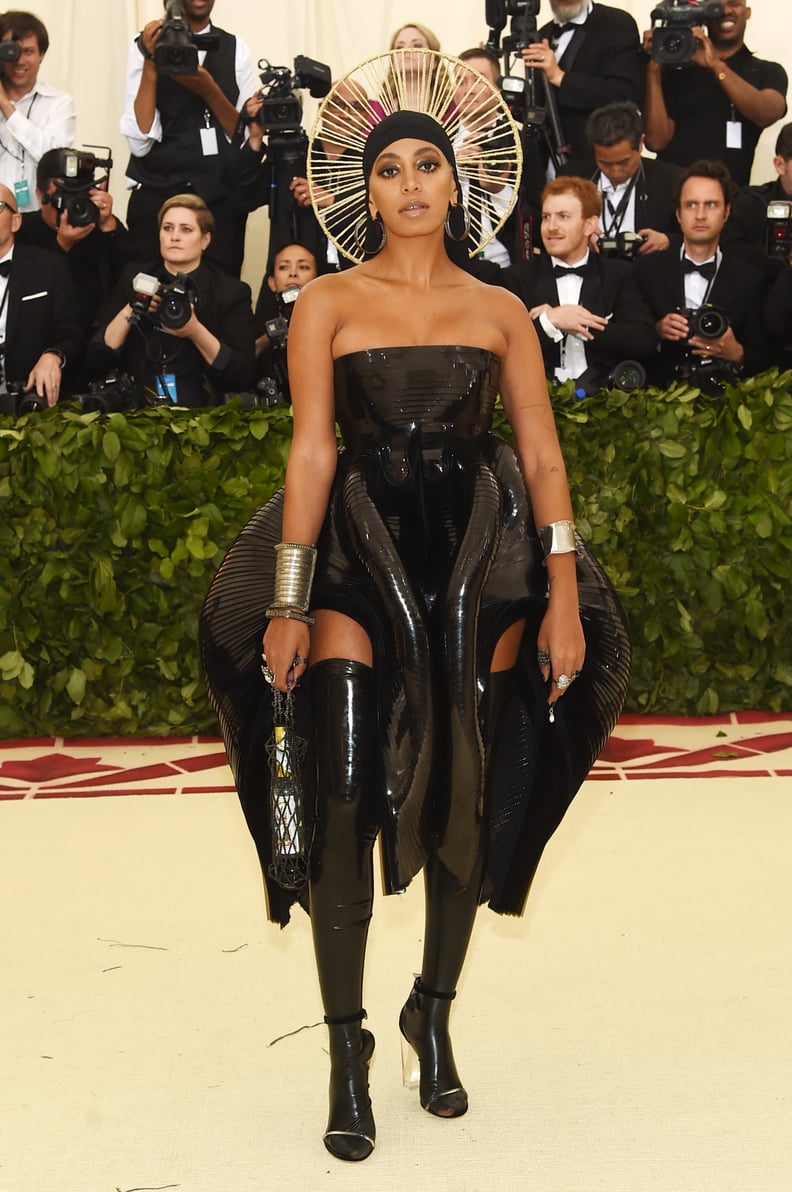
(44, 119)
(573, 349)
(697, 287)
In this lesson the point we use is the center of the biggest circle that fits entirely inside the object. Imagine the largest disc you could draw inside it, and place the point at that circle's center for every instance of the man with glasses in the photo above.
(34, 117)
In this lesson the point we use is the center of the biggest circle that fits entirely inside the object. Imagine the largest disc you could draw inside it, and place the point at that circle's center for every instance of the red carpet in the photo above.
(734, 745)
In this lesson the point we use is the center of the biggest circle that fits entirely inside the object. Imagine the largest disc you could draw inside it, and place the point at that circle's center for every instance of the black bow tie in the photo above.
(570, 270)
(707, 270)
(557, 29)
(5, 268)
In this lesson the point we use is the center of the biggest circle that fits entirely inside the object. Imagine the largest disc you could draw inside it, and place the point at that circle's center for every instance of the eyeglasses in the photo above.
(4, 205)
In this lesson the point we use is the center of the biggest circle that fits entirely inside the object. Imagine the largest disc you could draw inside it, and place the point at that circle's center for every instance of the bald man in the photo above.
(39, 332)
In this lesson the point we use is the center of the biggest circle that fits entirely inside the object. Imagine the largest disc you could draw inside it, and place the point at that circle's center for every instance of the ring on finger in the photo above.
(543, 657)
(269, 675)
(562, 682)
(299, 660)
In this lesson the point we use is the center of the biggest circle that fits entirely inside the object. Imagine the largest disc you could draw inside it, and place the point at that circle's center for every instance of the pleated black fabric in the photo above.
(429, 543)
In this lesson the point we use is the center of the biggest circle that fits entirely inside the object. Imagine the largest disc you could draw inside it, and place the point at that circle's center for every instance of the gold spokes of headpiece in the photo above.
(481, 129)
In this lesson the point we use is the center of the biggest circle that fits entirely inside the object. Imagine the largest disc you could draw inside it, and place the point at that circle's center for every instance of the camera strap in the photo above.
(617, 214)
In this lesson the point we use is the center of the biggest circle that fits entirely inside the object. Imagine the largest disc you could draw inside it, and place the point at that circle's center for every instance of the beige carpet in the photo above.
(632, 1033)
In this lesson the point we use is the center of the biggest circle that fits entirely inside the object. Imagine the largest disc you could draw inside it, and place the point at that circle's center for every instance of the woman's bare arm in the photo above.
(527, 405)
(313, 455)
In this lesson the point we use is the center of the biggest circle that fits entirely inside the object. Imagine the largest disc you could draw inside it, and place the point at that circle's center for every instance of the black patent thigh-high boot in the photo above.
(341, 888)
(450, 915)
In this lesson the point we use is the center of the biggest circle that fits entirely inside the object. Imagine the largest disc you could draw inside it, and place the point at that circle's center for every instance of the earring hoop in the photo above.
(457, 222)
(364, 233)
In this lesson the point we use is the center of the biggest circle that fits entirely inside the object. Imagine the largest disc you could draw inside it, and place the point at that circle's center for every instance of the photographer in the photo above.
(34, 117)
(701, 277)
(587, 309)
(179, 129)
(591, 56)
(270, 169)
(293, 266)
(637, 192)
(96, 248)
(39, 333)
(720, 103)
(208, 350)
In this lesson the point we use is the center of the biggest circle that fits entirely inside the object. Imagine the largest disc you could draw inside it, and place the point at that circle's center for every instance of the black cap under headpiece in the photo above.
(407, 125)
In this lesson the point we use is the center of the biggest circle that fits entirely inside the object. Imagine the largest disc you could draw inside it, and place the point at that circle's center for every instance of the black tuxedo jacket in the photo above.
(42, 313)
(739, 289)
(779, 317)
(603, 63)
(654, 192)
(609, 288)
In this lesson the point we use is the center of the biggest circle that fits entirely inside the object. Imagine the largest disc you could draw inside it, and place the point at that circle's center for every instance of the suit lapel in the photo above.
(567, 60)
(13, 293)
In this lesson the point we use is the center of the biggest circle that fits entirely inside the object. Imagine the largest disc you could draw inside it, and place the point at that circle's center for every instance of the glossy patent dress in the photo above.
(429, 543)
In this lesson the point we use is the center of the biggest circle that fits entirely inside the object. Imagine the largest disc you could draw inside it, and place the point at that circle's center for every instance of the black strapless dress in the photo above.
(429, 543)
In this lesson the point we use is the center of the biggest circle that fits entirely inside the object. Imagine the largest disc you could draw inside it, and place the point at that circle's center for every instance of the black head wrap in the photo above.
(407, 125)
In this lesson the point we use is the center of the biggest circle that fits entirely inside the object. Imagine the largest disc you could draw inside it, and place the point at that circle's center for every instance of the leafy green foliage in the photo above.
(687, 502)
(111, 528)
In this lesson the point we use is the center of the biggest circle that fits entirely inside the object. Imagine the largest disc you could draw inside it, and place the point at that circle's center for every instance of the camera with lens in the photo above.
(274, 385)
(779, 230)
(115, 392)
(175, 306)
(282, 109)
(10, 51)
(75, 174)
(706, 322)
(522, 31)
(627, 375)
(16, 399)
(622, 246)
(523, 14)
(673, 39)
(176, 52)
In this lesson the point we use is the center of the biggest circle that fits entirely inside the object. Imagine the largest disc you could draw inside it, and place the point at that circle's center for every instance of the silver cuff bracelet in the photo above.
(558, 538)
(294, 571)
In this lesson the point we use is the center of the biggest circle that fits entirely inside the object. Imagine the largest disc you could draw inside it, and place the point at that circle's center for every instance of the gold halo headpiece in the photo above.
(468, 106)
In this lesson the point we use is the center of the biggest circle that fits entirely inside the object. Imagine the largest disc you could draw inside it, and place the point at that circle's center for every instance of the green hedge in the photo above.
(111, 528)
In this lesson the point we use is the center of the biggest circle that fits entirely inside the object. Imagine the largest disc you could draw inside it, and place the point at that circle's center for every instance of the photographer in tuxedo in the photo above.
(591, 56)
(39, 331)
(587, 309)
(700, 288)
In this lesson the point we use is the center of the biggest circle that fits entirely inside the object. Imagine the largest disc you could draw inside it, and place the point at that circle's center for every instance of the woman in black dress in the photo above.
(439, 620)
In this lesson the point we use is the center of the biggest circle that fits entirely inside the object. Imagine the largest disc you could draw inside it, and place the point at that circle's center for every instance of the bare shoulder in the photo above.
(503, 306)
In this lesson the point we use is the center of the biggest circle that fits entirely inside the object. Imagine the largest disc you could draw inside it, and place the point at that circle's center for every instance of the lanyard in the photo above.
(618, 213)
(20, 157)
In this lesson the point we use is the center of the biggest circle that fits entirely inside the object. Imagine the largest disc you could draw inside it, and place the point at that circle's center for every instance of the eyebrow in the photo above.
(397, 156)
